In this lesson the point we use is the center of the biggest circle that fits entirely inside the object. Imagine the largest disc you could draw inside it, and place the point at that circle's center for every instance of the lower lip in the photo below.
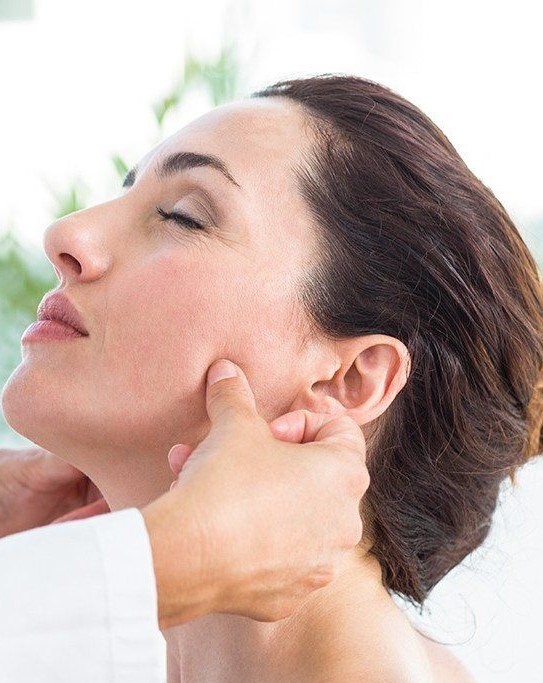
(44, 330)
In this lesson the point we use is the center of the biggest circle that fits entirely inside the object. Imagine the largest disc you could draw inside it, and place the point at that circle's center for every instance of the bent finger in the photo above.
(178, 456)
(343, 431)
(302, 426)
(99, 507)
(299, 426)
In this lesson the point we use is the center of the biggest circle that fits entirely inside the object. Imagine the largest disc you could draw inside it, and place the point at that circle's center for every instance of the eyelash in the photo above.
(180, 219)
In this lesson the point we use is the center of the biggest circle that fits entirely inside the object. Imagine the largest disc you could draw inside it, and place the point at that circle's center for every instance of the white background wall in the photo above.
(76, 85)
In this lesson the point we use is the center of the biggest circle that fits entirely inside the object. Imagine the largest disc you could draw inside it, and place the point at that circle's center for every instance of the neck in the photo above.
(131, 481)
(230, 647)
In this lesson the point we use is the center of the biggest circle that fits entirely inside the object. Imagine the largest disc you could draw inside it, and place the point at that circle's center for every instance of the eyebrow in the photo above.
(182, 161)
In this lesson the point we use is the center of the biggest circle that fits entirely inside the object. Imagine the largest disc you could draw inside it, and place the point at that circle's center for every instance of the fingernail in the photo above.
(177, 457)
(221, 369)
(172, 459)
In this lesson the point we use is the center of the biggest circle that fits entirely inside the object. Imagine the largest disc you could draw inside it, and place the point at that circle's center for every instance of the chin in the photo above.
(19, 408)
(12, 401)
(29, 409)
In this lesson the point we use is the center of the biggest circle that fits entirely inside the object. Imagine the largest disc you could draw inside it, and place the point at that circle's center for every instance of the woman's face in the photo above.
(161, 301)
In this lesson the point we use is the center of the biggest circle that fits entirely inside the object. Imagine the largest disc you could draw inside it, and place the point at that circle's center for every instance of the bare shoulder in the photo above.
(445, 665)
(405, 655)
(390, 652)
(384, 646)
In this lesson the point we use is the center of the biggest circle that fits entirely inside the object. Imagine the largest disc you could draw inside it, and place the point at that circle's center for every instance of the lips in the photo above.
(58, 307)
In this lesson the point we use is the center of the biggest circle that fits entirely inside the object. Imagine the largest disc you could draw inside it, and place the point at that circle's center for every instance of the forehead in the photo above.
(260, 139)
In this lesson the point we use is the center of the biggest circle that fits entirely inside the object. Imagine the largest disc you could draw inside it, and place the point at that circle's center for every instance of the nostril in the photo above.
(72, 262)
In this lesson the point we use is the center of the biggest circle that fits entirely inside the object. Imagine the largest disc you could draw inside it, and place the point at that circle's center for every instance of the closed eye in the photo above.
(180, 218)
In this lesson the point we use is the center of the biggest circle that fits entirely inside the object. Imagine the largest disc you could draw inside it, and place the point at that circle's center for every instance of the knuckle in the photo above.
(355, 531)
(243, 415)
(348, 423)
(219, 389)
(352, 430)
(353, 472)
(237, 416)
(280, 609)
(338, 453)
(320, 577)
(359, 480)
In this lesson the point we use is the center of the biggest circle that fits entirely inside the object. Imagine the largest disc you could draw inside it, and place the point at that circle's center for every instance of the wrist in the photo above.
(186, 587)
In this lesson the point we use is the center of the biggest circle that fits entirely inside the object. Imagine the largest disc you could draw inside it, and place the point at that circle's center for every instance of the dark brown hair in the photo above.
(413, 245)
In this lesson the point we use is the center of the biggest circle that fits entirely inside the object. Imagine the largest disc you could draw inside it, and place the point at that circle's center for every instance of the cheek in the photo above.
(189, 314)
(170, 328)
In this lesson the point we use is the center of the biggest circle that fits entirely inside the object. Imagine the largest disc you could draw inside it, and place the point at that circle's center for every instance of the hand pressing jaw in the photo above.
(261, 514)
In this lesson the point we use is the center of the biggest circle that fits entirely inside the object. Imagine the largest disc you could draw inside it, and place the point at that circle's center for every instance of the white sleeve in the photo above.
(78, 603)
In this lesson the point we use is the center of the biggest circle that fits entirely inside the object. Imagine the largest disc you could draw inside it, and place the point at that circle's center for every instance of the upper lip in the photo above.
(58, 307)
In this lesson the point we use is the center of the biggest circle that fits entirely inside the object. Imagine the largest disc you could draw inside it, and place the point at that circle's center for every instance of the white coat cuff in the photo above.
(138, 647)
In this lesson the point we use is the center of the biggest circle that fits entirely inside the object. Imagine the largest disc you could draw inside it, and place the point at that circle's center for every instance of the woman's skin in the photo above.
(161, 301)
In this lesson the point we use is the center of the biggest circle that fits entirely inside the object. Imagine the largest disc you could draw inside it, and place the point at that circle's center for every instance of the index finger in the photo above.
(342, 431)
(301, 426)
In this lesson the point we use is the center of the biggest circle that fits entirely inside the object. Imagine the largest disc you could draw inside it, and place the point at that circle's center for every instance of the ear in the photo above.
(369, 373)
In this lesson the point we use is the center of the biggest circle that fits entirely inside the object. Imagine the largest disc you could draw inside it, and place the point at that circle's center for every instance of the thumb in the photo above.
(228, 394)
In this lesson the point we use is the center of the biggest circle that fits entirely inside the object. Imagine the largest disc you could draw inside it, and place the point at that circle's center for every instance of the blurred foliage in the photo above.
(26, 276)
(218, 78)
(67, 201)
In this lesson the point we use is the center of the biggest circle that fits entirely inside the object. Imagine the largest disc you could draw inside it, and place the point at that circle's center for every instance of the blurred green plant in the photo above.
(67, 201)
(24, 277)
(218, 77)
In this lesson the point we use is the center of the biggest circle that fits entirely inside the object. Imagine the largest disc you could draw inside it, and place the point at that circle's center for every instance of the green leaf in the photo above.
(74, 198)
(120, 166)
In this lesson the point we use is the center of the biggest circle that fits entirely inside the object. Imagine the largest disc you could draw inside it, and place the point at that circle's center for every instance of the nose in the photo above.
(76, 247)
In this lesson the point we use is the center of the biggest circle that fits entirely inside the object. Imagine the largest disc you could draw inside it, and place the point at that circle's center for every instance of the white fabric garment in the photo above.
(78, 604)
